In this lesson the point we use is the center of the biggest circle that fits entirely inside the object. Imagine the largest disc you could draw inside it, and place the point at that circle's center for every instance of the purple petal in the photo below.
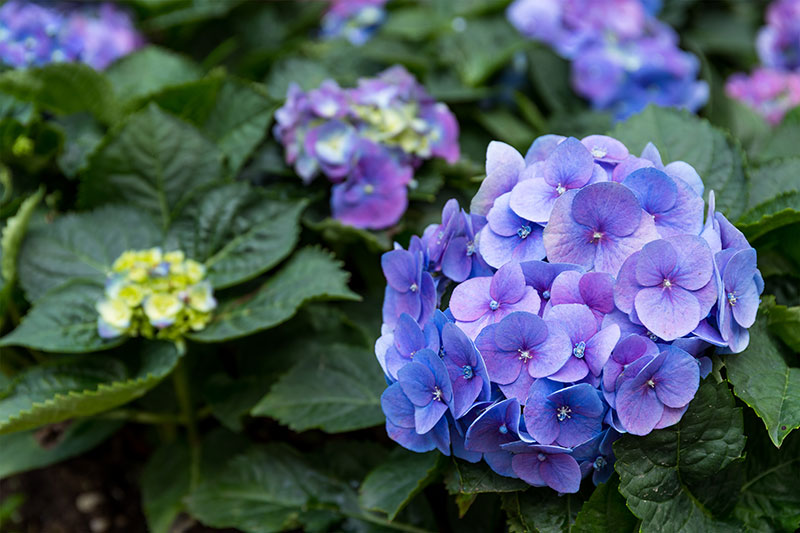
(526, 467)
(409, 438)
(470, 299)
(540, 413)
(457, 261)
(503, 366)
(626, 286)
(668, 312)
(566, 289)
(518, 388)
(432, 360)
(570, 165)
(608, 207)
(604, 148)
(656, 263)
(397, 407)
(551, 355)
(597, 291)
(575, 319)
(417, 382)
(503, 166)
(611, 251)
(686, 217)
(400, 269)
(695, 264)
(573, 370)
(738, 280)
(542, 147)
(520, 330)
(671, 416)
(533, 199)
(500, 462)
(566, 241)
(686, 173)
(598, 348)
(408, 337)
(561, 473)
(508, 284)
(497, 425)
(638, 407)
(426, 417)
(656, 192)
(502, 220)
(677, 379)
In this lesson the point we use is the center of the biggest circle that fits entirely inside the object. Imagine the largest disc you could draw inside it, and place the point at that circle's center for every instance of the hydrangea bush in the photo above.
(34, 34)
(585, 290)
(367, 141)
(620, 62)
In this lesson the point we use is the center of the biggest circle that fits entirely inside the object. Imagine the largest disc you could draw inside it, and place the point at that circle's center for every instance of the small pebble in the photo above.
(99, 524)
(87, 502)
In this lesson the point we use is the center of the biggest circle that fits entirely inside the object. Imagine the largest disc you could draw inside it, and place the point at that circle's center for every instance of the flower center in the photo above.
(369, 188)
(666, 283)
(600, 462)
(503, 429)
(560, 189)
(413, 287)
(651, 383)
(524, 355)
(493, 305)
(579, 349)
(524, 231)
(732, 298)
(652, 336)
(596, 236)
(470, 248)
(598, 152)
(562, 413)
(541, 457)
(468, 372)
(437, 394)
(546, 295)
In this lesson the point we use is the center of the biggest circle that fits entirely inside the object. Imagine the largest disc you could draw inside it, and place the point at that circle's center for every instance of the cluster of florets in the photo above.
(355, 20)
(622, 57)
(35, 34)
(587, 294)
(367, 141)
(774, 88)
(155, 295)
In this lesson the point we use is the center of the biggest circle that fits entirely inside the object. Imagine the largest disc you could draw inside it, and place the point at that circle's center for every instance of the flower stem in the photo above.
(180, 381)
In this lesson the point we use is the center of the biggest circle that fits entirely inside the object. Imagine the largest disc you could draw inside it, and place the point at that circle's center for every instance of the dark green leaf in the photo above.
(311, 274)
(474, 478)
(13, 233)
(149, 70)
(237, 231)
(542, 510)
(334, 388)
(231, 399)
(773, 214)
(70, 387)
(662, 475)
(82, 135)
(680, 136)
(763, 379)
(605, 511)
(392, 485)
(154, 161)
(785, 323)
(83, 245)
(165, 482)
(22, 451)
(783, 141)
(63, 320)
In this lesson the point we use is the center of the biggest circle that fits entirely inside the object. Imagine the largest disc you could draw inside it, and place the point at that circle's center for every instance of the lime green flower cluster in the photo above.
(398, 125)
(154, 294)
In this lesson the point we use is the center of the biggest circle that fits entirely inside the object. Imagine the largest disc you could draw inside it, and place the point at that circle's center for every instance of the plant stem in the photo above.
(143, 417)
(180, 381)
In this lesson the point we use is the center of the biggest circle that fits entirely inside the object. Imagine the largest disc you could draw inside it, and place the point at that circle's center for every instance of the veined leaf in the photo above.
(165, 481)
(605, 511)
(82, 245)
(13, 233)
(392, 484)
(311, 274)
(153, 161)
(149, 70)
(762, 378)
(237, 231)
(665, 475)
(541, 509)
(475, 478)
(75, 386)
(334, 388)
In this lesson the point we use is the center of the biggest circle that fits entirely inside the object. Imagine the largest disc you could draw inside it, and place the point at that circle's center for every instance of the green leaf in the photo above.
(333, 388)
(773, 214)
(664, 475)
(82, 245)
(149, 70)
(680, 136)
(783, 141)
(63, 88)
(605, 511)
(542, 510)
(22, 451)
(82, 135)
(154, 161)
(231, 399)
(335, 233)
(63, 320)
(165, 482)
(74, 386)
(307, 73)
(763, 379)
(311, 274)
(785, 323)
(238, 231)
(264, 490)
(475, 478)
(239, 119)
(392, 485)
(506, 127)
(14, 233)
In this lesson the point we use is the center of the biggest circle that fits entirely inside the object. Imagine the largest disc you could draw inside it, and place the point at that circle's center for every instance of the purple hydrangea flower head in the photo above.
(466, 369)
(541, 465)
(520, 348)
(497, 425)
(503, 168)
(675, 207)
(401, 424)
(628, 350)
(645, 391)
(355, 20)
(592, 289)
(569, 166)
(334, 146)
(409, 289)
(443, 132)
(564, 416)
(479, 302)
(597, 456)
(35, 34)
(778, 43)
(591, 346)
(408, 339)
(541, 148)
(427, 385)
(374, 196)
(451, 244)
(509, 237)
(597, 227)
(770, 92)
(669, 286)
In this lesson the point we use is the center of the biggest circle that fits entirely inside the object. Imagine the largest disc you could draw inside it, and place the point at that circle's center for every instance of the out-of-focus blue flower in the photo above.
(35, 34)
(770, 92)
(355, 20)
(778, 43)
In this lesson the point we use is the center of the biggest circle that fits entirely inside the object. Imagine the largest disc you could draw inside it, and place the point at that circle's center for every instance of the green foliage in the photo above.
(605, 511)
(680, 136)
(311, 274)
(668, 475)
(333, 388)
(391, 486)
(475, 478)
(541, 509)
(149, 70)
(165, 481)
(70, 387)
(13, 233)
(764, 380)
